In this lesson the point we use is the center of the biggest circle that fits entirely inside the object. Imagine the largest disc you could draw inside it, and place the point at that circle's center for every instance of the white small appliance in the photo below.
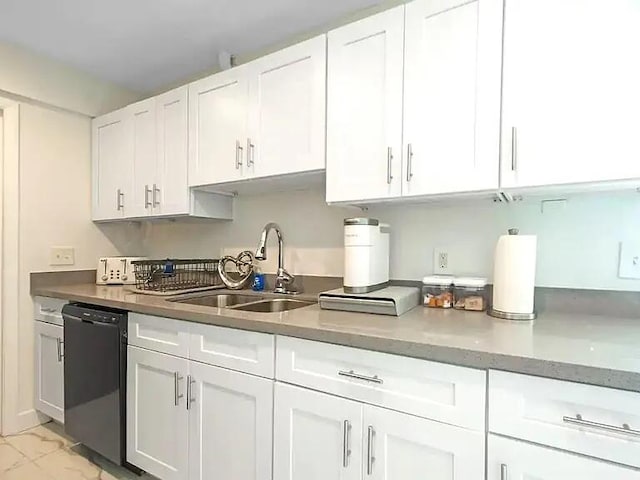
(366, 255)
(116, 270)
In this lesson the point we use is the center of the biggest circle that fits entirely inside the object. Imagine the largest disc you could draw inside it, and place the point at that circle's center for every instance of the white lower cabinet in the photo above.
(230, 424)
(49, 370)
(319, 436)
(316, 436)
(404, 447)
(515, 460)
(157, 418)
(187, 420)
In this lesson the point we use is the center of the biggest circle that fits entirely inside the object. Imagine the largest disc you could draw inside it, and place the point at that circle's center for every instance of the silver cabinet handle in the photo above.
(59, 347)
(48, 310)
(147, 202)
(238, 155)
(357, 376)
(514, 149)
(503, 472)
(120, 200)
(190, 398)
(250, 147)
(409, 162)
(346, 443)
(389, 160)
(624, 429)
(370, 455)
(156, 199)
(176, 388)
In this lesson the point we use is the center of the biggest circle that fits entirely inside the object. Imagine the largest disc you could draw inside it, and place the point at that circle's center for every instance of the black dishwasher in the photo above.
(95, 378)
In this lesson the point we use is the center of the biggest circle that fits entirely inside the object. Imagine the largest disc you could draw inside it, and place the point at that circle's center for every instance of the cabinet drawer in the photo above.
(49, 310)
(446, 393)
(164, 335)
(249, 352)
(595, 421)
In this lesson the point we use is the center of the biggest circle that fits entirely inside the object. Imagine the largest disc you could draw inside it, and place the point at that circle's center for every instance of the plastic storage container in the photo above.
(470, 293)
(437, 291)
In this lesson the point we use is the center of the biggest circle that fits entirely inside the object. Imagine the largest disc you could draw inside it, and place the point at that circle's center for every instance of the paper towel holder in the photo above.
(522, 317)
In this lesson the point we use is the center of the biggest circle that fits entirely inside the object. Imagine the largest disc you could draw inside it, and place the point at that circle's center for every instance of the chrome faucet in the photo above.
(283, 278)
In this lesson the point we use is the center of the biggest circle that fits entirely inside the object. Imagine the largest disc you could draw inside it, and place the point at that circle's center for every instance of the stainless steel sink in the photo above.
(273, 306)
(224, 300)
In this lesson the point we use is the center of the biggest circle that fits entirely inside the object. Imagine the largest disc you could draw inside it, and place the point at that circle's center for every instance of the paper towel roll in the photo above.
(514, 274)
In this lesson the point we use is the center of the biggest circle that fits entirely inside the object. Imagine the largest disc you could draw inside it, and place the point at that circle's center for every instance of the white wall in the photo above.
(34, 77)
(577, 246)
(48, 187)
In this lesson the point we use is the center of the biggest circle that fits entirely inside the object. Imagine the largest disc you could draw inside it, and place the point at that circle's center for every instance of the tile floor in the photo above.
(45, 453)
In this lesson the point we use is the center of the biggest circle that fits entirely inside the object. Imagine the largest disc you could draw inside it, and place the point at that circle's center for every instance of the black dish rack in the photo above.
(176, 274)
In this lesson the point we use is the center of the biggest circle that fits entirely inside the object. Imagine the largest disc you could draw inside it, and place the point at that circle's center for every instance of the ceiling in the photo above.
(146, 44)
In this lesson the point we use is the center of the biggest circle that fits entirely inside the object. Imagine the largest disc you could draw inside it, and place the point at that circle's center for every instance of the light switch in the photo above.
(62, 256)
(629, 260)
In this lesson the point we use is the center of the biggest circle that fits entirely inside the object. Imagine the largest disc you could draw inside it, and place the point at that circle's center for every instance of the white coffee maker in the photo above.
(366, 255)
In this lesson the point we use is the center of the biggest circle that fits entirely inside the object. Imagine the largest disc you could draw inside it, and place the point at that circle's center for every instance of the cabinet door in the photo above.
(157, 417)
(143, 130)
(218, 109)
(514, 460)
(49, 370)
(453, 55)
(364, 108)
(571, 104)
(288, 104)
(231, 425)
(170, 194)
(316, 436)
(403, 447)
(111, 165)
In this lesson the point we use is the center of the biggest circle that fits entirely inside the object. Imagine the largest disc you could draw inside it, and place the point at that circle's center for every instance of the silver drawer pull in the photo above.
(176, 388)
(504, 474)
(370, 450)
(624, 429)
(48, 310)
(346, 443)
(357, 376)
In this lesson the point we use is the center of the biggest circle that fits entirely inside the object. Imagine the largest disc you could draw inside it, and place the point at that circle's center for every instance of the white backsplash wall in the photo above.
(578, 244)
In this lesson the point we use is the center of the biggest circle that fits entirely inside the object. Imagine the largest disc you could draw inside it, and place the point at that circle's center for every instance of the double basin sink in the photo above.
(245, 303)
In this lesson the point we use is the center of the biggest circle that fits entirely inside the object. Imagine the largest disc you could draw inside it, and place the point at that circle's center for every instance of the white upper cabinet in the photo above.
(218, 117)
(287, 110)
(571, 102)
(364, 108)
(169, 195)
(452, 74)
(112, 167)
(143, 123)
(140, 163)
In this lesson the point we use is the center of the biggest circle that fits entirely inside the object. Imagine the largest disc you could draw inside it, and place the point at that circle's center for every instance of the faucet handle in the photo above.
(285, 276)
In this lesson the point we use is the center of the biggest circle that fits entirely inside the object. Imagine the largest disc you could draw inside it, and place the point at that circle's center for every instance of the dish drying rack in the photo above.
(174, 276)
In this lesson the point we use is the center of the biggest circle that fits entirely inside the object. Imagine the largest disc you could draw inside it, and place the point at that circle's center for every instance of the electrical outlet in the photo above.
(62, 256)
(441, 261)
(629, 266)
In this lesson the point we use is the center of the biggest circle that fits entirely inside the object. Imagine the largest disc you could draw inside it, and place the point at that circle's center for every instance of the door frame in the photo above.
(9, 263)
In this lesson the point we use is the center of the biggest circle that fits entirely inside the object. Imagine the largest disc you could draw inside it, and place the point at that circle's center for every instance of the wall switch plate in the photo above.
(62, 256)
(629, 266)
(441, 261)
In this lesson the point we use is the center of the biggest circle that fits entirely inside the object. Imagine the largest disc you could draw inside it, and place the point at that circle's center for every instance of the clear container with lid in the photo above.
(470, 293)
(437, 291)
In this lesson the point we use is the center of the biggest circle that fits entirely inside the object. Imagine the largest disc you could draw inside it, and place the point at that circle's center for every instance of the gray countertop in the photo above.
(594, 349)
